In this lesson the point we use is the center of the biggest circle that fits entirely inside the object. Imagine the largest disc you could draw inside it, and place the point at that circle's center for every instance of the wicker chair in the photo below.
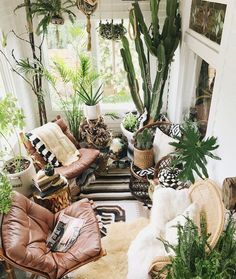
(207, 195)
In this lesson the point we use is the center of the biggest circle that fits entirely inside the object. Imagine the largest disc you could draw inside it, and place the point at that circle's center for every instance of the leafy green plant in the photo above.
(144, 139)
(11, 119)
(111, 31)
(5, 194)
(161, 45)
(52, 11)
(49, 169)
(130, 122)
(194, 259)
(90, 98)
(84, 75)
(192, 152)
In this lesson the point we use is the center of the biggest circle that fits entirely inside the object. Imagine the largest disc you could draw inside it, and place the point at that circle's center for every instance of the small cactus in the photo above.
(144, 139)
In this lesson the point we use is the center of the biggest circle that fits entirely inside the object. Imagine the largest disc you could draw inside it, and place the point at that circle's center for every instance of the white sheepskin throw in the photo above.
(115, 264)
(167, 204)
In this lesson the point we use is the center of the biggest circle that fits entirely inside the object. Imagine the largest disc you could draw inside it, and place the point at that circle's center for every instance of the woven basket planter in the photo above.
(143, 158)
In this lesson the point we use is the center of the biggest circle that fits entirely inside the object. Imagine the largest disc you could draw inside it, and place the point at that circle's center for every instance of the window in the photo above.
(67, 42)
(2, 87)
(203, 95)
(110, 64)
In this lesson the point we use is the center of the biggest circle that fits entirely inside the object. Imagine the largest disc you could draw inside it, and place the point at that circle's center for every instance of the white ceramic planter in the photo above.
(22, 181)
(92, 112)
(129, 135)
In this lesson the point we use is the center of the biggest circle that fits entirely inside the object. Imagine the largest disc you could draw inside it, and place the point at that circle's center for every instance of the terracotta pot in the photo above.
(143, 158)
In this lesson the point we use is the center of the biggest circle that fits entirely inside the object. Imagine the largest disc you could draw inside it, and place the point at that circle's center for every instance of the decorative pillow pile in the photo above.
(47, 155)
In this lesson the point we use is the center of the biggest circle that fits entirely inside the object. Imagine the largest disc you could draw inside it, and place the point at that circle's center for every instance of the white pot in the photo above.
(92, 112)
(130, 136)
(22, 181)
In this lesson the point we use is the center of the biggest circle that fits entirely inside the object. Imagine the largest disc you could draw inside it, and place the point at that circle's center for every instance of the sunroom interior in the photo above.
(116, 142)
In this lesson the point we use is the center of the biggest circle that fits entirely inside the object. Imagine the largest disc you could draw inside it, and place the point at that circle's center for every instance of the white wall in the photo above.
(223, 107)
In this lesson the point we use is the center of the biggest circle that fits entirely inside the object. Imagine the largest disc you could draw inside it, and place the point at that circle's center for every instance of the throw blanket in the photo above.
(168, 207)
(57, 142)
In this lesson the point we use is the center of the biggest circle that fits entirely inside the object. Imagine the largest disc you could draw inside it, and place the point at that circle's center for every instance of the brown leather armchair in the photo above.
(87, 155)
(24, 232)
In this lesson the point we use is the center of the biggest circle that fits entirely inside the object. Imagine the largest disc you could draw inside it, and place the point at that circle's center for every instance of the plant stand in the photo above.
(139, 183)
(54, 201)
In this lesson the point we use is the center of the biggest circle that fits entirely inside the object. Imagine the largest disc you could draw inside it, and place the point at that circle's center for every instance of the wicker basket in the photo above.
(139, 187)
(143, 158)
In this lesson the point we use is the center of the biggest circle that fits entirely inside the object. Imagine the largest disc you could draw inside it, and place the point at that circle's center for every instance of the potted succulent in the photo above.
(91, 101)
(143, 149)
(192, 152)
(129, 126)
(18, 168)
(5, 194)
(51, 12)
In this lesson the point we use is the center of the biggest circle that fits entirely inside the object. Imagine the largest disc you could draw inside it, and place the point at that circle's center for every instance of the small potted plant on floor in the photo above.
(91, 101)
(18, 168)
(143, 149)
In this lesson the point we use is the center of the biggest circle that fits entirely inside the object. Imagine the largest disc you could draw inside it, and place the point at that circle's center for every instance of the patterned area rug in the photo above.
(112, 186)
(108, 214)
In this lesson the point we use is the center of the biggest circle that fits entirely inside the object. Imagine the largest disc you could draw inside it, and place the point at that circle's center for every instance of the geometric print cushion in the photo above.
(48, 156)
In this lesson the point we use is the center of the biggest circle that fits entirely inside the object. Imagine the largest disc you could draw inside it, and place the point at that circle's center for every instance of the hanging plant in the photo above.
(50, 12)
(88, 7)
(111, 31)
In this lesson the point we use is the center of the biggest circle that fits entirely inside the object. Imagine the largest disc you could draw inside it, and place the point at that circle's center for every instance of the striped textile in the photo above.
(48, 156)
(107, 188)
(107, 214)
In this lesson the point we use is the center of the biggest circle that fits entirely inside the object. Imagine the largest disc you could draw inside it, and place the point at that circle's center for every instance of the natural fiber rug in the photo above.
(116, 243)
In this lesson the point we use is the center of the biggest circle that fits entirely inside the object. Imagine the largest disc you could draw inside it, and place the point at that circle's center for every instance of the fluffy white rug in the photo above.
(114, 265)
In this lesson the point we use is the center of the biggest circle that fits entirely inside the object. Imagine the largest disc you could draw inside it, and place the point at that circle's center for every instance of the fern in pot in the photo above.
(18, 168)
(143, 149)
(91, 100)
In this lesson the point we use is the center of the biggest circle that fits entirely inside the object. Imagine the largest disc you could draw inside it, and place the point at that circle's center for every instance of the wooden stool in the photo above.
(56, 201)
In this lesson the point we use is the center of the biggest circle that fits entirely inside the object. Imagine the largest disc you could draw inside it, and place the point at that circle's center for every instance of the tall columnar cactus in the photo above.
(144, 139)
(161, 45)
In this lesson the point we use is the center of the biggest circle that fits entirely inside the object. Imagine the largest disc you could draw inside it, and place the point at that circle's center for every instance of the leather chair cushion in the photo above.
(87, 157)
(25, 230)
(88, 244)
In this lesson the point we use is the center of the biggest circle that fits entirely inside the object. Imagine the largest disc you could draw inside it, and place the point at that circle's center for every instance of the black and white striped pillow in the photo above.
(48, 156)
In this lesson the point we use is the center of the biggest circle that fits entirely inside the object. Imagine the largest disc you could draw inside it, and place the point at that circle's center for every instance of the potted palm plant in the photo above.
(18, 168)
(51, 12)
(91, 101)
(143, 149)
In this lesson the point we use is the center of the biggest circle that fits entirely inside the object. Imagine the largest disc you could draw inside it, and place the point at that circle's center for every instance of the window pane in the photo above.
(2, 88)
(65, 43)
(116, 89)
(204, 93)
